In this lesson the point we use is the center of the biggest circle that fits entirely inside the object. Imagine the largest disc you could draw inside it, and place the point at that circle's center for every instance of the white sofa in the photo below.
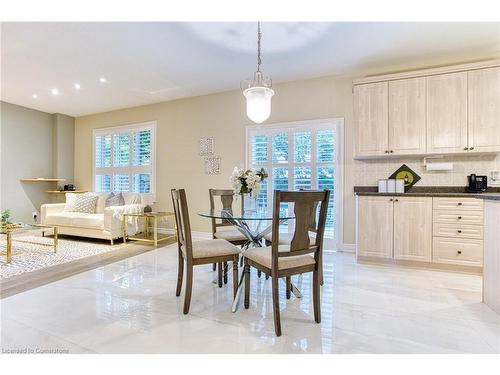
(104, 224)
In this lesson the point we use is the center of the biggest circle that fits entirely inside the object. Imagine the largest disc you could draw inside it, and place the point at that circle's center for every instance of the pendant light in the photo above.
(258, 92)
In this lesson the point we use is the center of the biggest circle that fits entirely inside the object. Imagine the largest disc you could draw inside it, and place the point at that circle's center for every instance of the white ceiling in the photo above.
(153, 62)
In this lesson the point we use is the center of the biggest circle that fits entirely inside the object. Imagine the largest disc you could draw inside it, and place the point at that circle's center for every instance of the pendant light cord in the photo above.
(259, 36)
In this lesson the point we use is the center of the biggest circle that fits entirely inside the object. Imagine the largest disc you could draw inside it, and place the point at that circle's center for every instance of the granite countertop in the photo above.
(432, 191)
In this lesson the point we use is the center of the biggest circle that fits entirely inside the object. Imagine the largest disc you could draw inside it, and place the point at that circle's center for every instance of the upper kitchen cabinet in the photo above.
(407, 116)
(447, 113)
(371, 118)
(444, 110)
(484, 110)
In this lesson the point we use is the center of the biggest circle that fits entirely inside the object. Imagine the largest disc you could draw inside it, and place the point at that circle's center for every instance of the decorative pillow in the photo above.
(70, 202)
(115, 200)
(85, 203)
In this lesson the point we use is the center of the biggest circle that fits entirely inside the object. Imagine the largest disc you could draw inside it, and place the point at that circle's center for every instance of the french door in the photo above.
(299, 155)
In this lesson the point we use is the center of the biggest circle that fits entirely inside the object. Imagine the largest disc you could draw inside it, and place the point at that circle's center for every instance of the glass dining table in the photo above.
(254, 225)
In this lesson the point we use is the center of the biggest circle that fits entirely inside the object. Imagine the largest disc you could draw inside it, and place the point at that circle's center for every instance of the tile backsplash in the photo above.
(368, 172)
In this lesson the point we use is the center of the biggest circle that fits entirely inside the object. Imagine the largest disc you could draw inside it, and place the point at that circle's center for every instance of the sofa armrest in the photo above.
(50, 209)
(113, 215)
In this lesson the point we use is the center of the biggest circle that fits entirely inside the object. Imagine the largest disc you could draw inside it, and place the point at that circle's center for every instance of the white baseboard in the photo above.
(348, 248)
(196, 235)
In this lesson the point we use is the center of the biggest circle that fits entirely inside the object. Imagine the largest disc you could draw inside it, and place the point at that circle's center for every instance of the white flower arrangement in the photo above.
(247, 181)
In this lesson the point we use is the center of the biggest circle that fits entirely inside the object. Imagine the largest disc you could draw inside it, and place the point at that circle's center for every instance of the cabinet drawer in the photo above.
(460, 251)
(458, 230)
(457, 217)
(457, 203)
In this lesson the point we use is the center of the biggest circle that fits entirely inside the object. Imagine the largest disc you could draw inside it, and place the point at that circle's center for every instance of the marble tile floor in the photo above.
(130, 307)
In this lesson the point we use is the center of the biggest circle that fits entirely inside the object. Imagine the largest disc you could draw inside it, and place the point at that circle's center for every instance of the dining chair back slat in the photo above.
(182, 220)
(227, 198)
(305, 205)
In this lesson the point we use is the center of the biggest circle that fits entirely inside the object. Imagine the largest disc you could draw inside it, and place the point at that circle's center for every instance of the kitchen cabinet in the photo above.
(407, 116)
(446, 115)
(433, 231)
(458, 231)
(413, 228)
(484, 110)
(371, 118)
(446, 110)
(375, 226)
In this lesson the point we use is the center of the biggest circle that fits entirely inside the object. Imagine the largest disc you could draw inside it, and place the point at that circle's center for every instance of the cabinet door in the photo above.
(447, 113)
(484, 110)
(407, 116)
(371, 119)
(413, 228)
(375, 226)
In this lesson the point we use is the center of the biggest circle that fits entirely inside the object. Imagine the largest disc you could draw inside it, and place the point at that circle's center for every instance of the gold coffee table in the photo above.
(9, 229)
(150, 234)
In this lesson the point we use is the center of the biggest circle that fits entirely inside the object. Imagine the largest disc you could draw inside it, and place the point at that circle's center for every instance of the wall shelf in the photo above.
(41, 179)
(66, 191)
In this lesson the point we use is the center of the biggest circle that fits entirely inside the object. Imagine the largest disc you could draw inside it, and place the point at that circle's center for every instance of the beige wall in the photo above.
(181, 123)
(26, 147)
(33, 144)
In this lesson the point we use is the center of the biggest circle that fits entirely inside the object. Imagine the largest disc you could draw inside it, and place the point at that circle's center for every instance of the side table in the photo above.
(150, 234)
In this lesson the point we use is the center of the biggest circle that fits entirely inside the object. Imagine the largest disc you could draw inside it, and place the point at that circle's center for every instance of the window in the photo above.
(124, 159)
(297, 156)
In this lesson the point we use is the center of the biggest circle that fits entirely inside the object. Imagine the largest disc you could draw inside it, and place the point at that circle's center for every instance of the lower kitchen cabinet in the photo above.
(375, 226)
(421, 230)
(413, 228)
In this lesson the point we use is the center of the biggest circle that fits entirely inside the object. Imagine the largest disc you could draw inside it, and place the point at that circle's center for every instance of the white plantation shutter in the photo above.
(296, 157)
(124, 159)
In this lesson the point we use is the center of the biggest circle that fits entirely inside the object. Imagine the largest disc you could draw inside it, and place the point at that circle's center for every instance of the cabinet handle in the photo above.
(471, 148)
(459, 231)
(390, 200)
(466, 148)
(396, 200)
(459, 203)
(386, 151)
(391, 151)
(459, 252)
(460, 217)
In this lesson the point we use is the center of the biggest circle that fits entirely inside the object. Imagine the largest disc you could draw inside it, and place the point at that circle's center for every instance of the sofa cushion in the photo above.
(76, 219)
(115, 200)
(101, 202)
(132, 198)
(86, 203)
(70, 202)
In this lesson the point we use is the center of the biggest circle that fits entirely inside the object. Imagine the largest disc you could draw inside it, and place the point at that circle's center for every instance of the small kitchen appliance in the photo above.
(477, 184)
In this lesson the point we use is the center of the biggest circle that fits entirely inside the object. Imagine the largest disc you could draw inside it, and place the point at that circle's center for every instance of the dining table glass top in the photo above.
(257, 214)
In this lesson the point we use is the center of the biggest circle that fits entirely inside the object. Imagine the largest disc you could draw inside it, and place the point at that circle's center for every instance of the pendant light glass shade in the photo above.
(258, 103)
(258, 92)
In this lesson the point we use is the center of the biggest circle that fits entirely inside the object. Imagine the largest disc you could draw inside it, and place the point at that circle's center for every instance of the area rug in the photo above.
(29, 257)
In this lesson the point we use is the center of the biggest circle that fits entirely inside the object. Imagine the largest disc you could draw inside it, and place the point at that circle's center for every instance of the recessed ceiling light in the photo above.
(77, 86)
(54, 92)
(34, 96)
(103, 80)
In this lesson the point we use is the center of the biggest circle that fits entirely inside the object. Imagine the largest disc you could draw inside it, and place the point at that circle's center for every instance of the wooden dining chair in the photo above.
(232, 235)
(199, 252)
(285, 238)
(301, 256)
